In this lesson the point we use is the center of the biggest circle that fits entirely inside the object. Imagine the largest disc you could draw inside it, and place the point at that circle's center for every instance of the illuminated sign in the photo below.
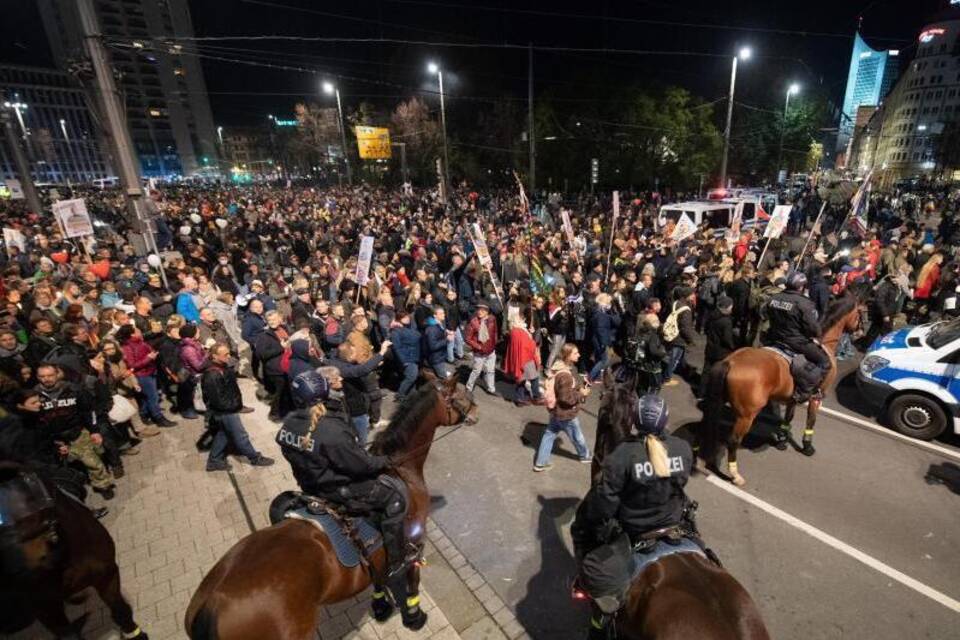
(286, 123)
(373, 143)
(930, 34)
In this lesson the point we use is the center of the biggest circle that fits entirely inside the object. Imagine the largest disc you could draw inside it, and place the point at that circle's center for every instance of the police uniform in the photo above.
(329, 463)
(632, 493)
(794, 324)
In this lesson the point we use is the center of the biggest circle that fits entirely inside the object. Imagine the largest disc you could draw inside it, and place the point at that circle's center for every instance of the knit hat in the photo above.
(724, 303)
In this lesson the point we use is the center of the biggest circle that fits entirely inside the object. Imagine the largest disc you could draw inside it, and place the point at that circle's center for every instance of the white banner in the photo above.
(684, 229)
(480, 245)
(16, 190)
(568, 227)
(737, 214)
(364, 259)
(616, 205)
(778, 221)
(13, 238)
(73, 217)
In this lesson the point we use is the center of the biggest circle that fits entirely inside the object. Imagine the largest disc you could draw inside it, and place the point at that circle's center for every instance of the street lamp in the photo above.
(329, 89)
(220, 135)
(63, 127)
(744, 54)
(17, 106)
(434, 68)
(791, 90)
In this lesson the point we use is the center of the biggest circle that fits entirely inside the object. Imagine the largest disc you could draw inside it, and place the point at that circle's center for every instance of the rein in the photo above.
(394, 462)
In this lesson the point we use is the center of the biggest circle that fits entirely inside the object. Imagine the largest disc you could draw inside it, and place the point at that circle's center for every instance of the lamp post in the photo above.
(791, 90)
(329, 89)
(743, 54)
(434, 68)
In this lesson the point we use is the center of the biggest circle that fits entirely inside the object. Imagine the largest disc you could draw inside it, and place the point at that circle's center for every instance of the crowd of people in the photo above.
(101, 347)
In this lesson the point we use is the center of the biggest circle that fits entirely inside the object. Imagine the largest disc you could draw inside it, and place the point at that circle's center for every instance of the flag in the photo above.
(859, 205)
(737, 214)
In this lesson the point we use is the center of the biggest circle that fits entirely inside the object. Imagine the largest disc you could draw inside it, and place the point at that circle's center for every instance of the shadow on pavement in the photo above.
(945, 473)
(547, 610)
(850, 398)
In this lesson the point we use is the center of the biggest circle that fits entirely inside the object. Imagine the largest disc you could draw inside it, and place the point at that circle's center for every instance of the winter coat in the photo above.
(192, 356)
(472, 337)
(566, 388)
(434, 349)
(136, 352)
(406, 344)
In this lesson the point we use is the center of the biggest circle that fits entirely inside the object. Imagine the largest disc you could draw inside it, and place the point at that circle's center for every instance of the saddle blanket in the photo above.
(643, 559)
(783, 353)
(347, 552)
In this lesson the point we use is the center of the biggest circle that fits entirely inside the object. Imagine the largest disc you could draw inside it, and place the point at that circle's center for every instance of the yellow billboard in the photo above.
(373, 143)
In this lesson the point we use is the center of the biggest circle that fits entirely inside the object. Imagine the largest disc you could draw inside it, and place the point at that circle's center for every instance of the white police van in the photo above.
(914, 375)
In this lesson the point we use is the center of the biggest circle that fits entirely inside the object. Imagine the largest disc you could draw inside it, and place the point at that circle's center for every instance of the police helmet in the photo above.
(796, 282)
(652, 414)
(309, 388)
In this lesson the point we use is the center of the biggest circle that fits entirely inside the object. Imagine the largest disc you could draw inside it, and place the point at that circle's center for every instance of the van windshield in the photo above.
(943, 334)
(717, 218)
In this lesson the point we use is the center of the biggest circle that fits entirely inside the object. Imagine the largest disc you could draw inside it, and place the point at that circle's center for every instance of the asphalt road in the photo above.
(863, 546)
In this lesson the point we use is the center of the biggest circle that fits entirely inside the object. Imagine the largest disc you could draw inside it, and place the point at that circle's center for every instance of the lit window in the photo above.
(155, 113)
(178, 71)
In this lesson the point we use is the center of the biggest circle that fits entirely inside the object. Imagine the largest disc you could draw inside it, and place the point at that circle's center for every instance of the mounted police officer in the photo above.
(328, 462)
(639, 497)
(795, 326)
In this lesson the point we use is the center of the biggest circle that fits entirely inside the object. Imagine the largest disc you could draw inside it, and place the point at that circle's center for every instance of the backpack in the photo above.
(550, 391)
(285, 360)
(671, 327)
(707, 291)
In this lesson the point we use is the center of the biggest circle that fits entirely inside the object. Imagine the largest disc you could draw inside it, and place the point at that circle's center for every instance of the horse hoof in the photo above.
(808, 449)
(738, 480)
(780, 444)
(415, 621)
(382, 609)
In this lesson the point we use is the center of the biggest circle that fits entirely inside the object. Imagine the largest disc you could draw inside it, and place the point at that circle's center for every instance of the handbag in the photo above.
(122, 410)
(198, 402)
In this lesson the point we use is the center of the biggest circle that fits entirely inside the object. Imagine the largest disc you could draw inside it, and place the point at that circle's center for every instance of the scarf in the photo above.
(483, 333)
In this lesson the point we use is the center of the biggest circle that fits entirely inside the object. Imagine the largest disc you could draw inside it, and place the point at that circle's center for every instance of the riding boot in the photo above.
(394, 544)
(599, 624)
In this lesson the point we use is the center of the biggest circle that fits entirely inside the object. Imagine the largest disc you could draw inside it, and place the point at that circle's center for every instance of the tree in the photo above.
(411, 123)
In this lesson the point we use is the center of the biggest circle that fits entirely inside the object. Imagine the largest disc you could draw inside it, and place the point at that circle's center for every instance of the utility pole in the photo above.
(124, 157)
(343, 139)
(532, 138)
(726, 129)
(23, 167)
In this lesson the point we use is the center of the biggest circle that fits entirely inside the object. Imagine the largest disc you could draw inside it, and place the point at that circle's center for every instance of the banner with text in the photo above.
(15, 189)
(684, 229)
(778, 221)
(364, 259)
(373, 143)
(73, 217)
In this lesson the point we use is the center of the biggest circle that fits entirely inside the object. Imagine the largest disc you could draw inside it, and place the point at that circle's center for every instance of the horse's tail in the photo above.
(204, 625)
(715, 398)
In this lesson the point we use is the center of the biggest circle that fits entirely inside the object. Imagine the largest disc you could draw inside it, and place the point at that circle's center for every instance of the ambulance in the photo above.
(913, 376)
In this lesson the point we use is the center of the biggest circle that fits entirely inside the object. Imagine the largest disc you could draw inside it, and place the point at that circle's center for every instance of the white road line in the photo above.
(921, 444)
(839, 545)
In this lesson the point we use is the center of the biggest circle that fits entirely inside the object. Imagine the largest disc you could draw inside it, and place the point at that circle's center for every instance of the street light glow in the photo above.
(794, 89)
(745, 53)
(328, 88)
(433, 67)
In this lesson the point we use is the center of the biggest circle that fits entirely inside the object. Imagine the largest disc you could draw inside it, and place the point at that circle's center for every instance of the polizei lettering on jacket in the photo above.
(295, 440)
(783, 305)
(645, 469)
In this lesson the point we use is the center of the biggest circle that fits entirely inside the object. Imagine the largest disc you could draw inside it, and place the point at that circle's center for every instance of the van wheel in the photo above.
(917, 416)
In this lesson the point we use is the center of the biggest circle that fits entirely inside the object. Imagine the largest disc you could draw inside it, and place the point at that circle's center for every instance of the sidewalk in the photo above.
(171, 521)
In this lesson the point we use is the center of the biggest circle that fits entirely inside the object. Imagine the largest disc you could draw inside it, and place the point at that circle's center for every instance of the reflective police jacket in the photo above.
(329, 458)
(630, 491)
(793, 320)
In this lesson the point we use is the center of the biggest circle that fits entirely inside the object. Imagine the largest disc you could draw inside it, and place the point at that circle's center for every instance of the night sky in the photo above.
(808, 42)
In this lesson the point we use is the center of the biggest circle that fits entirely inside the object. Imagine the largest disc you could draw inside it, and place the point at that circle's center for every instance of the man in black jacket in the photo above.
(887, 302)
(720, 340)
(328, 462)
(221, 394)
(355, 387)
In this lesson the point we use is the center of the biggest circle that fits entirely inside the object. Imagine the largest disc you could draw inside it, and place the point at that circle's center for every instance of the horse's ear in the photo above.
(428, 375)
(450, 384)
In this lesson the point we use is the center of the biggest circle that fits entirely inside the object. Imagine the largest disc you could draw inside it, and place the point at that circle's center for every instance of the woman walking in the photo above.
(568, 393)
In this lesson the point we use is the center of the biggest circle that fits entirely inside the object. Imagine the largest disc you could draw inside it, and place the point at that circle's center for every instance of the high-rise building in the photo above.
(871, 75)
(165, 96)
(61, 142)
(908, 136)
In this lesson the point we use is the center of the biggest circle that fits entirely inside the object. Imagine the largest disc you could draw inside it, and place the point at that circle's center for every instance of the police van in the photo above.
(913, 375)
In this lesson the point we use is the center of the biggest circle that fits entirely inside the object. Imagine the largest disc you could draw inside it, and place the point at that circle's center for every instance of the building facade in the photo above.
(56, 129)
(871, 76)
(907, 137)
(165, 95)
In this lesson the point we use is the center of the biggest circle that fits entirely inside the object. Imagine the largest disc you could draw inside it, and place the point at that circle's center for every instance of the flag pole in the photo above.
(816, 225)
(613, 231)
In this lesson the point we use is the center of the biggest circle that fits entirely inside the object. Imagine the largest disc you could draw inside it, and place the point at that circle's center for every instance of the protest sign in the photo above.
(568, 227)
(73, 217)
(15, 189)
(684, 229)
(483, 255)
(13, 238)
(778, 221)
(364, 259)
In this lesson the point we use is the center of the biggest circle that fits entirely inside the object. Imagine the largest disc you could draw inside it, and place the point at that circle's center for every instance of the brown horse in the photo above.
(680, 596)
(52, 549)
(749, 378)
(270, 584)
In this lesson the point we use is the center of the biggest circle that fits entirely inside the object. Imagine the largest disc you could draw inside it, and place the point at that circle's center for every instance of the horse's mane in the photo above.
(837, 310)
(405, 420)
(617, 416)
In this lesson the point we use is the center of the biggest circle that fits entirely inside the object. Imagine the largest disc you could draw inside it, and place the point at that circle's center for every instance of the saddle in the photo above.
(806, 375)
(353, 539)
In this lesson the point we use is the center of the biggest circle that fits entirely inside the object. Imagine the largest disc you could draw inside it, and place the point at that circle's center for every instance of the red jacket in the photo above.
(136, 353)
(521, 350)
(473, 340)
(192, 356)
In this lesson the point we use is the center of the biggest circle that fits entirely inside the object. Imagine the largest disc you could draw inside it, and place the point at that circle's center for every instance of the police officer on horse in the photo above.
(638, 499)
(329, 463)
(794, 325)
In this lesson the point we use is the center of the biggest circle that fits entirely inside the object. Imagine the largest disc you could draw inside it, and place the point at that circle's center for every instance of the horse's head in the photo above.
(28, 531)
(458, 404)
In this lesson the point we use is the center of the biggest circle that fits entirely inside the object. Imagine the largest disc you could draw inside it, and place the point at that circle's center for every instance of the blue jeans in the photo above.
(521, 391)
(674, 358)
(455, 346)
(362, 426)
(602, 360)
(410, 373)
(573, 431)
(150, 407)
(231, 430)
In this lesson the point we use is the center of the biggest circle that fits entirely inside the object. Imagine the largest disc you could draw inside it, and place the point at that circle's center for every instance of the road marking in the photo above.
(839, 545)
(922, 444)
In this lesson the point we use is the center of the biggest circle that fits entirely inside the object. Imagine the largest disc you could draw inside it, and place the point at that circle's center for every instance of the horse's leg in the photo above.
(50, 613)
(782, 435)
(120, 610)
(413, 616)
(812, 407)
(740, 429)
(382, 605)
